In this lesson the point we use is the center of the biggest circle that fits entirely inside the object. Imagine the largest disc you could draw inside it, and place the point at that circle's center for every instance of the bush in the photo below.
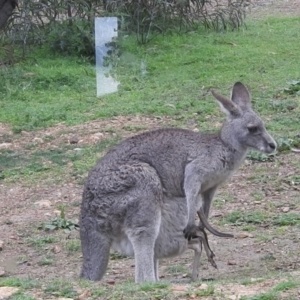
(72, 38)
(68, 26)
(147, 17)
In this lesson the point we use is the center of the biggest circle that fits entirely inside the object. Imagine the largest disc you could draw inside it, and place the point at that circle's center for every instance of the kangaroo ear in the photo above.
(229, 107)
(240, 95)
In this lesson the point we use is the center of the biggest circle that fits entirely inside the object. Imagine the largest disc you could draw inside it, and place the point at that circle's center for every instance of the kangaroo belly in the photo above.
(170, 241)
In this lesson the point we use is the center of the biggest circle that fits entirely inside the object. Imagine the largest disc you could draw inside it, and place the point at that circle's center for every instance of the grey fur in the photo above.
(144, 192)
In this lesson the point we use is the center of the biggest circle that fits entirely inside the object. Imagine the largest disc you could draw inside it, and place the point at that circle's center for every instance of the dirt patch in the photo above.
(29, 251)
(84, 134)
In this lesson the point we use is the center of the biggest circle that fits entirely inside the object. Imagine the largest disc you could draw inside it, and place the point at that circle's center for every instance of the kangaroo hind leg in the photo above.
(143, 221)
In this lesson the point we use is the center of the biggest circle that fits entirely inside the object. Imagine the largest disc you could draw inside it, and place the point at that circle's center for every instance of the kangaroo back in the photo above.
(124, 193)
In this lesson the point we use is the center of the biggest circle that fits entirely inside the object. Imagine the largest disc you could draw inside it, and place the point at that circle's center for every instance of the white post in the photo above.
(106, 29)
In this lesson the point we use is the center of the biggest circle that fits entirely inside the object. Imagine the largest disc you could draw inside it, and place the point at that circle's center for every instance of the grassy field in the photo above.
(53, 128)
(180, 69)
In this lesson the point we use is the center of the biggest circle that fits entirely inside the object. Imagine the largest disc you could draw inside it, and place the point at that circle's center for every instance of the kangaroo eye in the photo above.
(253, 129)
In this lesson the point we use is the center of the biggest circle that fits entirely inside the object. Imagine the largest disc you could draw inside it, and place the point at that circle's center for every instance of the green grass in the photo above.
(285, 285)
(208, 292)
(60, 288)
(261, 217)
(239, 217)
(287, 219)
(265, 296)
(24, 283)
(46, 261)
(73, 246)
(46, 90)
(21, 296)
(41, 242)
(16, 164)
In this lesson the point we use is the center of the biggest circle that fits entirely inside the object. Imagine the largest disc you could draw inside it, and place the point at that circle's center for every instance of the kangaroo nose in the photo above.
(272, 146)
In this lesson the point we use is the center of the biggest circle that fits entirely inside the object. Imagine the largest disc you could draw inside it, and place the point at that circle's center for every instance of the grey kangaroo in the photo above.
(141, 198)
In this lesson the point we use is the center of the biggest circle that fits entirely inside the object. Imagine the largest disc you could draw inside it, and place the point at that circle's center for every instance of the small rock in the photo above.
(184, 275)
(97, 137)
(84, 295)
(74, 139)
(37, 140)
(179, 288)
(285, 209)
(232, 297)
(110, 282)
(2, 272)
(28, 74)
(43, 204)
(56, 249)
(1, 245)
(7, 291)
(203, 286)
(57, 212)
(242, 235)
(5, 145)
(231, 263)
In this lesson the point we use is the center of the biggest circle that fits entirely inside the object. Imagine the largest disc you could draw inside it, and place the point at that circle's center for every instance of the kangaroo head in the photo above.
(243, 129)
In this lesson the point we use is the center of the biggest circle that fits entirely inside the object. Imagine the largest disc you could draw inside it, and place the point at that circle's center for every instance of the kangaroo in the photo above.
(142, 196)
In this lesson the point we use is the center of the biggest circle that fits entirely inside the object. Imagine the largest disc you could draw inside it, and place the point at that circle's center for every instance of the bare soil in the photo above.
(263, 253)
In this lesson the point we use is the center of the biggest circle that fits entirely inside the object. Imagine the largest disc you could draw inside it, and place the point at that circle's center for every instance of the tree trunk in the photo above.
(6, 9)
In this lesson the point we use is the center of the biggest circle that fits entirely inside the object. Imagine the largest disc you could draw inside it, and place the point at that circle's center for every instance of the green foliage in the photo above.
(238, 217)
(294, 87)
(61, 222)
(72, 38)
(285, 285)
(286, 144)
(287, 219)
(259, 156)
